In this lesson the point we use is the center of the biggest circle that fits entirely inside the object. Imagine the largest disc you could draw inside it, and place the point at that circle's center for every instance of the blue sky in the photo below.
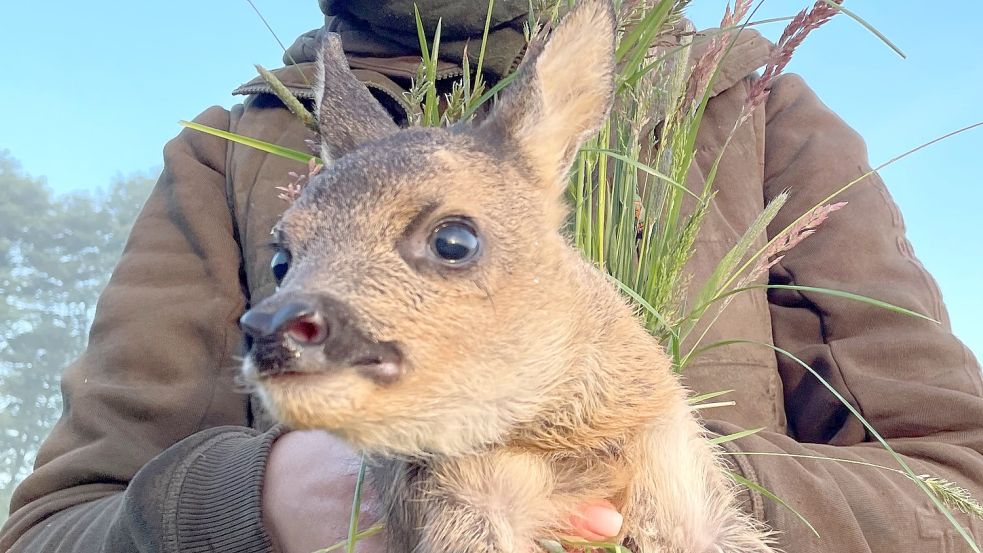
(93, 92)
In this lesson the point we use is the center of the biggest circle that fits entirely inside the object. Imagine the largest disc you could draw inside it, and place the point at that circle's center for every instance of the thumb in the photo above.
(596, 521)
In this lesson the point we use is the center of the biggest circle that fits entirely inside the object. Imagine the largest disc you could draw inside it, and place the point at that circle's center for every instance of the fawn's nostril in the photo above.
(302, 322)
(308, 330)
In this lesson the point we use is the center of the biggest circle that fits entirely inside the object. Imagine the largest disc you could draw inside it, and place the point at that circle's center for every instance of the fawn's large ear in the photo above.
(347, 113)
(562, 92)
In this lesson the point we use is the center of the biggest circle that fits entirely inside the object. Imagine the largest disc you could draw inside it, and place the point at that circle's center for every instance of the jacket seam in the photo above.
(230, 201)
(230, 196)
(225, 354)
(249, 201)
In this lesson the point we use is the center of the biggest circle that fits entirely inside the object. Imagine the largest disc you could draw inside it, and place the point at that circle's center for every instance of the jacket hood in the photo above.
(387, 29)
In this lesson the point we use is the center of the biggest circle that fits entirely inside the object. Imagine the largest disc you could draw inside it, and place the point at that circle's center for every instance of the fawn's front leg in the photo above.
(679, 500)
(496, 502)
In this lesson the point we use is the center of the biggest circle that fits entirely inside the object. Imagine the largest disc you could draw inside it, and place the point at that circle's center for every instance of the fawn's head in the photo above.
(424, 304)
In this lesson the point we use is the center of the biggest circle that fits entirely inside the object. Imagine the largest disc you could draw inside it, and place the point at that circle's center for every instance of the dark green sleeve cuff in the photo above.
(209, 500)
(204, 493)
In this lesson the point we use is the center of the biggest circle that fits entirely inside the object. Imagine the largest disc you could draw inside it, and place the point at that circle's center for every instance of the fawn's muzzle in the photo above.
(294, 333)
(299, 321)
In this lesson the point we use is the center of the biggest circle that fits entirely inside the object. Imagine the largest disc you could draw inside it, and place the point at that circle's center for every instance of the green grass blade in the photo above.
(815, 458)
(714, 405)
(428, 59)
(735, 436)
(252, 143)
(842, 294)
(484, 40)
(642, 167)
(703, 397)
(368, 532)
(869, 27)
(432, 108)
(704, 349)
(573, 541)
(421, 34)
(838, 293)
(645, 304)
(629, 39)
(356, 509)
(724, 269)
(491, 92)
(767, 493)
(637, 42)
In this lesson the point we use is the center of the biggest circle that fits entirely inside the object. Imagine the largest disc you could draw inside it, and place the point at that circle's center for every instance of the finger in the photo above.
(578, 527)
(597, 521)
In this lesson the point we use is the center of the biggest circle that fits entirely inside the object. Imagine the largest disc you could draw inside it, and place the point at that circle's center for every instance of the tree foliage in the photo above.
(57, 252)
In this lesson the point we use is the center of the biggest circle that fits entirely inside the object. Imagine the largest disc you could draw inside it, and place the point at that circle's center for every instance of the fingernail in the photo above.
(603, 520)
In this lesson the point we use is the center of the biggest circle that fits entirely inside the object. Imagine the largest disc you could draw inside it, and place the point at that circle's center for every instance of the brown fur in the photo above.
(527, 384)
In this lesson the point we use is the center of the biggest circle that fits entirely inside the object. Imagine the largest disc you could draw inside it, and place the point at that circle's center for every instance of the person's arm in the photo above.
(911, 379)
(141, 458)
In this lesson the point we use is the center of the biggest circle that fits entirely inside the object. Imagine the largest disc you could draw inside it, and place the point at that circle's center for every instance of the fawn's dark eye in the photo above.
(280, 264)
(454, 242)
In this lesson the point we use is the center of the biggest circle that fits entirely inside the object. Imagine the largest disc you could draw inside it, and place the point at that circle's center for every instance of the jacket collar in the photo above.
(749, 52)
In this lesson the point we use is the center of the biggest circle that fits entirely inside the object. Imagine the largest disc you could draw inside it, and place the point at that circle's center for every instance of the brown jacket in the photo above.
(158, 451)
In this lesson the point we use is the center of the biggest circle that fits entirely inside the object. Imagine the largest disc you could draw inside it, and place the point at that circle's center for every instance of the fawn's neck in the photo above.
(620, 379)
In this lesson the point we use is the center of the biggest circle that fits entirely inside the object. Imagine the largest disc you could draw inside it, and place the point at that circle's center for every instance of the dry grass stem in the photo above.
(788, 239)
(283, 93)
(953, 495)
(795, 33)
(707, 64)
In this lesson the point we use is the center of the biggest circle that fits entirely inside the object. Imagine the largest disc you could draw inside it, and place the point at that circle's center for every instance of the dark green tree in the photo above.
(56, 254)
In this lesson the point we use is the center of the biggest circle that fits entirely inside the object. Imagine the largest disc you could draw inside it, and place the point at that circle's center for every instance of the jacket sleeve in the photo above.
(917, 385)
(152, 452)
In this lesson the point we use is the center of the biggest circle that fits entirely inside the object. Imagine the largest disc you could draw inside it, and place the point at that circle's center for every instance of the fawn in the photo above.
(435, 317)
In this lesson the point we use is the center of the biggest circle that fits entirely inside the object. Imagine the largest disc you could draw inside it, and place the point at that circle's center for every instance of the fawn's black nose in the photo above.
(301, 321)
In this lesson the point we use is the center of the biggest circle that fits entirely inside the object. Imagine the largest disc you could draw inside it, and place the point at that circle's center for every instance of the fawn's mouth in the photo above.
(280, 362)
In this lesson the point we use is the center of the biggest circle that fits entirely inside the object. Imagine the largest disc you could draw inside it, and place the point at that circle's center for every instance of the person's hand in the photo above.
(310, 484)
(308, 492)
